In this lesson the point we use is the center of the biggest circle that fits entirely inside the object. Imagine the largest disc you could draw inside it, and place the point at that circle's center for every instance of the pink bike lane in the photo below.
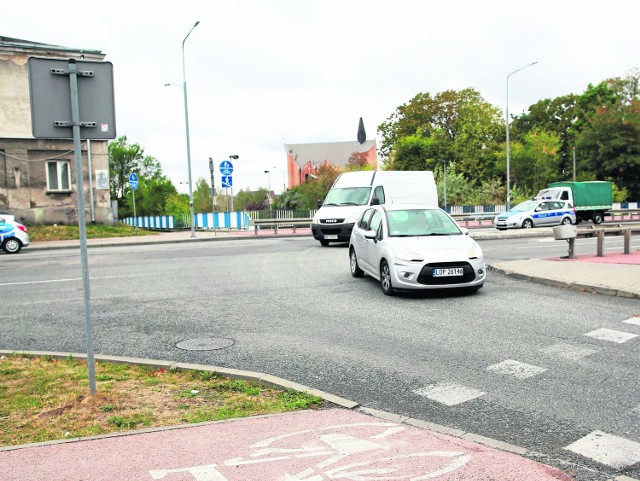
(303, 446)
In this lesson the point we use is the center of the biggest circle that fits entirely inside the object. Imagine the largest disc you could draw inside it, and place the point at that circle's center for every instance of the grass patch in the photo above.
(94, 231)
(43, 399)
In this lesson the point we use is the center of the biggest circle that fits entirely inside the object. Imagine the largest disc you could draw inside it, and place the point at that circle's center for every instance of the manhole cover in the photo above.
(206, 344)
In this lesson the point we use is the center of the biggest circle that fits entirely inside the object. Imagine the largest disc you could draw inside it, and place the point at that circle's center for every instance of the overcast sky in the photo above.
(262, 73)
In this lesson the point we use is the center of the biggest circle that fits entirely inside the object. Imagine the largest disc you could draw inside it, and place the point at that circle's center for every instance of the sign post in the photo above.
(133, 183)
(226, 169)
(59, 103)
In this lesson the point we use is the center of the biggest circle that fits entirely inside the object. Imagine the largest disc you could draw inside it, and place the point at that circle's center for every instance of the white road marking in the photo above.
(611, 335)
(517, 369)
(567, 351)
(449, 393)
(633, 320)
(71, 279)
(607, 449)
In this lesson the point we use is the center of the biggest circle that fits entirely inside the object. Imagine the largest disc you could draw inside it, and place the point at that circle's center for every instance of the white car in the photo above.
(410, 247)
(13, 235)
(536, 213)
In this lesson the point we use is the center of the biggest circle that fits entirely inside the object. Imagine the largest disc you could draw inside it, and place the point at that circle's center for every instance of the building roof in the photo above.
(337, 153)
(8, 43)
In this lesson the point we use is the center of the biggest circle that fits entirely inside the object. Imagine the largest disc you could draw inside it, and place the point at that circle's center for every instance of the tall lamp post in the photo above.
(507, 121)
(269, 185)
(186, 123)
(444, 169)
(232, 157)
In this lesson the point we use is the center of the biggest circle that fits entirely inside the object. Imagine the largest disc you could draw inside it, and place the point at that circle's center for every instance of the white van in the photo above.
(353, 192)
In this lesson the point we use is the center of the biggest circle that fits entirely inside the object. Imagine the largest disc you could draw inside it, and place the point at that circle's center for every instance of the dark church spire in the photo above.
(362, 135)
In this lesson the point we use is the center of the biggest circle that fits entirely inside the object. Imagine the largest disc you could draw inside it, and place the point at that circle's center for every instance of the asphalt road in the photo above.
(292, 309)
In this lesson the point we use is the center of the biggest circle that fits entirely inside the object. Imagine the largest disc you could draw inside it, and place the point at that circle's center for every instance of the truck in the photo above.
(590, 199)
(353, 192)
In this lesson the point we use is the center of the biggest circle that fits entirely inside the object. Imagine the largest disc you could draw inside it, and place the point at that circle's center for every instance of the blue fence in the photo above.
(217, 220)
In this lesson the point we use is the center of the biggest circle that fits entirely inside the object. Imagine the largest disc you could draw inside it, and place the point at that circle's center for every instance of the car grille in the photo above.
(333, 221)
(331, 230)
(426, 277)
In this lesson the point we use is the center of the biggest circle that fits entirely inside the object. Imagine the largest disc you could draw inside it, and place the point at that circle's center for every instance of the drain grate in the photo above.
(205, 344)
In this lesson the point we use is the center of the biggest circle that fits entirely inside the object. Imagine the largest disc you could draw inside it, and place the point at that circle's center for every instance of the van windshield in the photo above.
(348, 196)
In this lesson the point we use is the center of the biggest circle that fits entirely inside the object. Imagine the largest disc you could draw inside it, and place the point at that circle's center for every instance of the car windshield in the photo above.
(348, 196)
(524, 207)
(420, 222)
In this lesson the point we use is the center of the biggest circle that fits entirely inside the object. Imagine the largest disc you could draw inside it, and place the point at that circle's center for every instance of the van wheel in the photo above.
(527, 224)
(385, 279)
(353, 261)
(324, 243)
(597, 218)
(11, 245)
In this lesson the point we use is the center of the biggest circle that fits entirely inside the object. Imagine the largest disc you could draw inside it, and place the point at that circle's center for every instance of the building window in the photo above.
(58, 176)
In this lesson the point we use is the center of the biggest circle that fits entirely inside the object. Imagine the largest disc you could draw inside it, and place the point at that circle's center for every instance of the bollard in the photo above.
(627, 241)
(600, 248)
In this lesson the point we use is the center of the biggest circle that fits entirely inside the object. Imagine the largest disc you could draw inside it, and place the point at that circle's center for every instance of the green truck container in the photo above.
(590, 199)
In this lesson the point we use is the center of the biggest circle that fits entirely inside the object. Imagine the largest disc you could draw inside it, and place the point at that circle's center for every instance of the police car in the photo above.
(13, 235)
(536, 213)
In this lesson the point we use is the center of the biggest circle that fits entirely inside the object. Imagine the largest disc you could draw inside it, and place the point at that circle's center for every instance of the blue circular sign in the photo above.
(226, 167)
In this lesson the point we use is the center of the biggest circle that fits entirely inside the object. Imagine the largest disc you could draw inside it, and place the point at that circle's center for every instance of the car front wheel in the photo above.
(527, 224)
(385, 279)
(11, 246)
(355, 268)
(566, 221)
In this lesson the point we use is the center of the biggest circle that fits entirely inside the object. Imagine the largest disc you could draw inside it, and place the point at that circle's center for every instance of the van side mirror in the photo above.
(375, 201)
(319, 203)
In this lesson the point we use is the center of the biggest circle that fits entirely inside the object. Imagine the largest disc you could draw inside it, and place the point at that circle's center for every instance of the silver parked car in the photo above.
(536, 213)
(409, 247)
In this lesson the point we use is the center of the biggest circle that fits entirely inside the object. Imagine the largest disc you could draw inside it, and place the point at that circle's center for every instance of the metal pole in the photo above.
(507, 122)
(90, 169)
(574, 163)
(82, 225)
(135, 220)
(186, 123)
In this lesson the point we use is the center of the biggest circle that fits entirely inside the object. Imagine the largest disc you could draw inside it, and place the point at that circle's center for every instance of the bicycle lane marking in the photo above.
(305, 446)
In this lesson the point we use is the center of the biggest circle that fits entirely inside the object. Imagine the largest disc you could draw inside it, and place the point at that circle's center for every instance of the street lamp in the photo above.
(444, 169)
(507, 119)
(186, 123)
(233, 157)
(269, 191)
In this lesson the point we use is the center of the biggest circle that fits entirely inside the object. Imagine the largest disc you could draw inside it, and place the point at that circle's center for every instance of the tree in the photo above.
(252, 200)
(609, 145)
(202, 201)
(314, 190)
(453, 126)
(125, 158)
(357, 161)
(150, 197)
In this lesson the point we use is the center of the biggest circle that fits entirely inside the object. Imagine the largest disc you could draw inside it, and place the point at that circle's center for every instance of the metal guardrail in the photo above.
(473, 216)
(280, 223)
(600, 232)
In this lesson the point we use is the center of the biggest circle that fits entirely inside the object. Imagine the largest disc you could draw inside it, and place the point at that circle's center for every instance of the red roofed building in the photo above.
(305, 159)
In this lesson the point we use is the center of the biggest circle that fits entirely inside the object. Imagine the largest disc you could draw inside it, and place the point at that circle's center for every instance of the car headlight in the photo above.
(404, 254)
(475, 252)
(316, 219)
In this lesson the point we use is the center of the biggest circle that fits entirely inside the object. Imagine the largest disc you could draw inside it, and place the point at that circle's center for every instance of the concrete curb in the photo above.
(277, 382)
(576, 286)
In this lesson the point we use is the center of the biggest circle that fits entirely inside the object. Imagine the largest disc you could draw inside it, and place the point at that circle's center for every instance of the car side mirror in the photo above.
(370, 234)
(464, 230)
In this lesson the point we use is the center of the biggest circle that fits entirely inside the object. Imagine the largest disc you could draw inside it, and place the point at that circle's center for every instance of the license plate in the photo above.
(329, 237)
(448, 272)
